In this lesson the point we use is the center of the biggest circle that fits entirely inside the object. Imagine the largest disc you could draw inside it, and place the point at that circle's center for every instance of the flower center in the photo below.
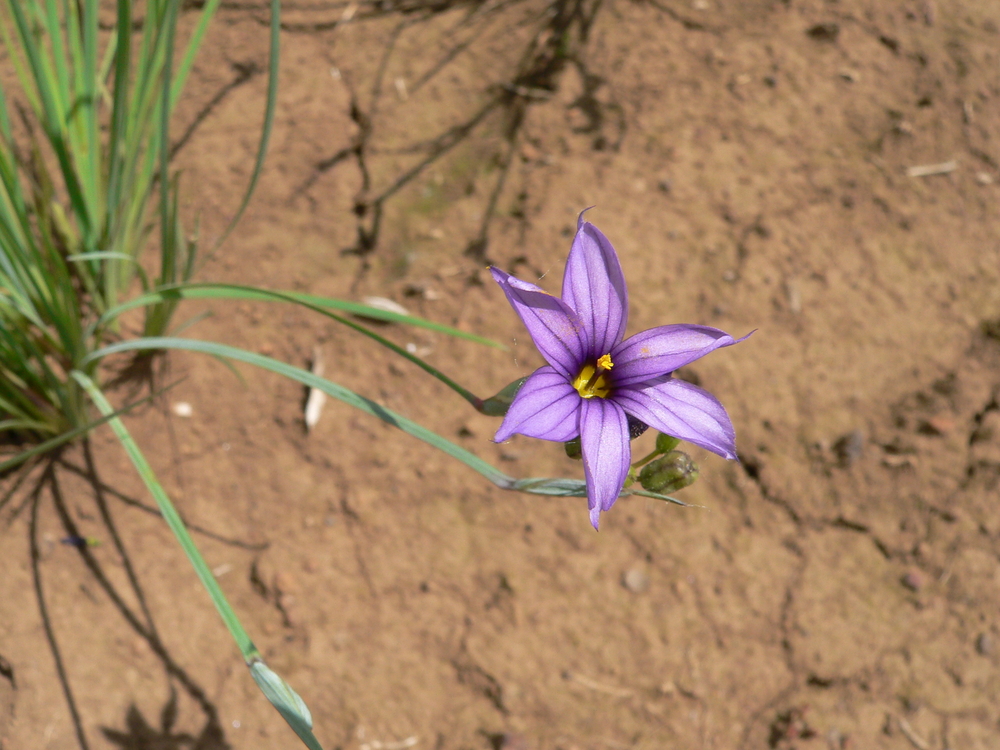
(592, 380)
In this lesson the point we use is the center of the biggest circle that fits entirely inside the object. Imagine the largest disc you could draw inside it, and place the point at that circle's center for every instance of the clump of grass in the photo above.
(85, 184)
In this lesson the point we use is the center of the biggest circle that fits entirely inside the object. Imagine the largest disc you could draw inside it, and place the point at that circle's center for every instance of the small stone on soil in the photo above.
(849, 448)
(984, 644)
(895, 461)
(913, 580)
(183, 409)
(635, 580)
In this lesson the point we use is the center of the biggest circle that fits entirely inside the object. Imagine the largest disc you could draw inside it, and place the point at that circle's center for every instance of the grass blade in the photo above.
(265, 135)
(281, 696)
(534, 486)
(235, 291)
(168, 270)
(308, 379)
(475, 401)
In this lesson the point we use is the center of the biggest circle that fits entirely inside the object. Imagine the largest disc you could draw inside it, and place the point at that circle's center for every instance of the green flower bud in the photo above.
(669, 473)
(666, 443)
(573, 449)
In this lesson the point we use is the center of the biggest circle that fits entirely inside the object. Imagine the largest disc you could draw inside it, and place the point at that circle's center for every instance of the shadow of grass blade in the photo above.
(66, 437)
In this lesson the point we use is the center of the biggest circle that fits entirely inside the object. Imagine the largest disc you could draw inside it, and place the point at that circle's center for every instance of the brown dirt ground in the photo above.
(839, 588)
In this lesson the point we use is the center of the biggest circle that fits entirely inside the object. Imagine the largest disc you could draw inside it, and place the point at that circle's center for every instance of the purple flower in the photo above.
(594, 380)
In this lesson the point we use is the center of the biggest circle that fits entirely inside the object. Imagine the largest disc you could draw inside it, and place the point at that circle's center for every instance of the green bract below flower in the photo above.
(594, 380)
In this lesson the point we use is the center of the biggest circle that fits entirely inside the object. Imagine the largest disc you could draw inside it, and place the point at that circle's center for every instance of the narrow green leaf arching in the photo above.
(543, 486)
(201, 290)
(320, 305)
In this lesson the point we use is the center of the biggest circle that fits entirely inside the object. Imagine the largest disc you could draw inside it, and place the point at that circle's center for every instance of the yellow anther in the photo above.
(605, 362)
(592, 382)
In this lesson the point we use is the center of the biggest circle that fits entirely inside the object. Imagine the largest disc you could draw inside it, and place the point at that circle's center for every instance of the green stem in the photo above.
(645, 459)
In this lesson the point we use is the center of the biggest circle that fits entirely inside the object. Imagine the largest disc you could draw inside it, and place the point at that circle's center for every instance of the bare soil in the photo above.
(753, 164)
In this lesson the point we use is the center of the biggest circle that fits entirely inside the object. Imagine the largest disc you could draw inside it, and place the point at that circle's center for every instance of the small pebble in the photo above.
(635, 580)
(183, 409)
(794, 295)
(849, 448)
(913, 580)
(894, 461)
(984, 644)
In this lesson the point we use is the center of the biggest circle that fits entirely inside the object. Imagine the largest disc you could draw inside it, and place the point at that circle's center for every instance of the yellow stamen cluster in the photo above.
(593, 381)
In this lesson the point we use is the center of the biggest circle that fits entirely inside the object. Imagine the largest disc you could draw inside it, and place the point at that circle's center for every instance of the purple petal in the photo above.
(606, 453)
(546, 407)
(594, 287)
(682, 410)
(662, 350)
(554, 327)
